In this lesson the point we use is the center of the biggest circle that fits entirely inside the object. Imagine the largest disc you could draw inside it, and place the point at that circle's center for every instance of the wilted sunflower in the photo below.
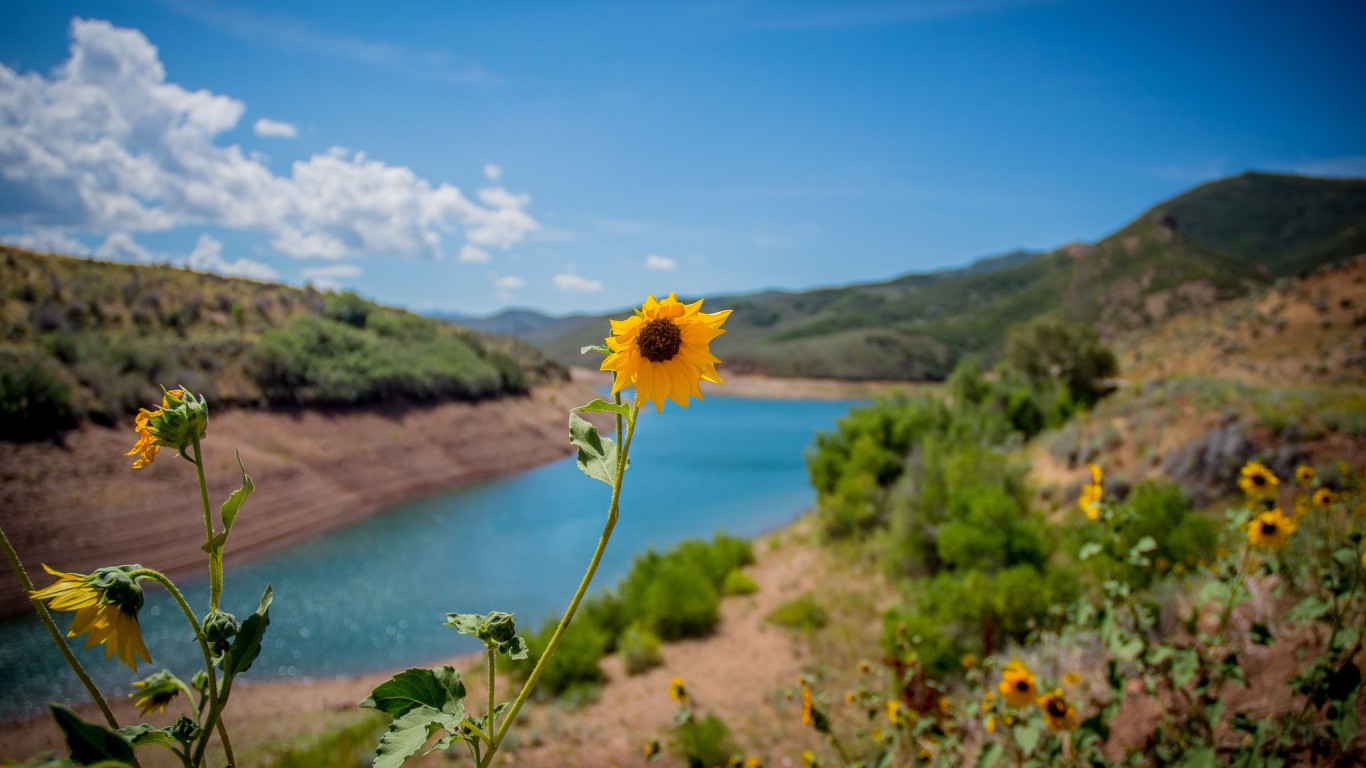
(1017, 684)
(106, 604)
(663, 350)
(1059, 713)
(155, 692)
(1270, 530)
(1257, 481)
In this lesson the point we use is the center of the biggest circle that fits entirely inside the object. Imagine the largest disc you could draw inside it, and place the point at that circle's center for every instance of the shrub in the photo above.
(574, 666)
(704, 743)
(738, 583)
(803, 614)
(35, 402)
(640, 649)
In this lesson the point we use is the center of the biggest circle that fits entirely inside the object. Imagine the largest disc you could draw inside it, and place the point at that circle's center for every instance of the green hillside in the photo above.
(1213, 243)
(83, 339)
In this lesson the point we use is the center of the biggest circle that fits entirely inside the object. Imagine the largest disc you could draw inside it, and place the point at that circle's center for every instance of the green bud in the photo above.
(220, 628)
(200, 681)
(184, 416)
(184, 730)
(501, 628)
(118, 588)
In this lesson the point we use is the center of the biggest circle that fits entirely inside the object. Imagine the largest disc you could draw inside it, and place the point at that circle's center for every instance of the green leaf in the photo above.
(407, 734)
(467, 623)
(246, 646)
(140, 735)
(1027, 736)
(602, 406)
(597, 454)
(1202, 756)
(439, 689)
(91, 743)
(516, 648)
(1089, 550)
(1185, 663)
(228, 512)
(990, 755)
(1145, 544)
(599, 348)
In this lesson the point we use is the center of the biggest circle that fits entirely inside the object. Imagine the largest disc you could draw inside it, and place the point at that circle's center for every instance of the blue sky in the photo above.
(578, 156)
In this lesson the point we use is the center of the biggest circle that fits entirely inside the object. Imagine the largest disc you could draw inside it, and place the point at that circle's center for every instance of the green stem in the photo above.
(215, 560)
(216, 701)
(56, 633)
(1233, 593)
(493, 664)
(612, 512)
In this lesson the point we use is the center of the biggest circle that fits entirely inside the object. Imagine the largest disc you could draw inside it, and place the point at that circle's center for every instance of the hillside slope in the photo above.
(1214, 243)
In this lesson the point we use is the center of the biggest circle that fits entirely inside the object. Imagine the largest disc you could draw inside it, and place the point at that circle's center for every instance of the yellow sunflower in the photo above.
(1257, 481)
(1304, 474)
(106, 604)
(678, 691)
(1323, 497)
(1270, 530)
(1017, 684)
(1092, 493)
(146, 447)
(664, 351)
(1059, 713)
(182, 417)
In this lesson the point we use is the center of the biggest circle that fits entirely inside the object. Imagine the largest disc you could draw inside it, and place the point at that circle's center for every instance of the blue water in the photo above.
(374, 596)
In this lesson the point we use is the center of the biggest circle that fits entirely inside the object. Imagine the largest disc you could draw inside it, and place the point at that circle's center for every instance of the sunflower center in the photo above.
(1057, 708)
(1022, 686)
(1269, 529)
(1258, 480)
(659, 340)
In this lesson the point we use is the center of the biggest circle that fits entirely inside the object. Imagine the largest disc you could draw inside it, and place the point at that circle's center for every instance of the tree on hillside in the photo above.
(1048, 349)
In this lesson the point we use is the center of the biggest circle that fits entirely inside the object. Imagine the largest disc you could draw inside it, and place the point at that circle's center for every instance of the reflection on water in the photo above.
(374, 596)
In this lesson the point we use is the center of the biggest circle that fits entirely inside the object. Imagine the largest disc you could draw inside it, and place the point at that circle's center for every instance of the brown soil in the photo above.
(750, 385)
(79, 505)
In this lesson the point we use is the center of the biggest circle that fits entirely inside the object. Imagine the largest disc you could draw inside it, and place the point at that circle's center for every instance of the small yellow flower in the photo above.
(1059, 713)
(753, 762)
(1270, 530)
(850, 697)
(652, 749)
(1092, 493)
(1304, 474)
(1324, 498)
(809, 759)
(664, 351)
(678, 691)
(806, 706)
(106, 604)
(991, 724)
(1017, 684)
(1257, 481)
(893, 711)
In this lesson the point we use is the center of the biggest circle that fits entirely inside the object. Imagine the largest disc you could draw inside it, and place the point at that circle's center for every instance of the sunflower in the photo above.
(1061, 715)
(1304, 474)
(894, 711)
(1257, 481)
(1017, 684)
(663, 350)
(1092, 493)
(182, 417)
(146, 447)
(678, 691)
(155, 692)
(1270, 530)
(106, 604)
(1323, 497)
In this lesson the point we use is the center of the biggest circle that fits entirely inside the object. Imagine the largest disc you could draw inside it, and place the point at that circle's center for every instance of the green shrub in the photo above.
(704, 743)
(738, 583)
(574, 666)
(35, 402)
(802, 614)
(640, 649)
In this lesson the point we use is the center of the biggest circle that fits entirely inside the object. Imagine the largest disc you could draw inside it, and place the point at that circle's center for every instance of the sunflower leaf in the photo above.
(246, 646)
(440, 690)
(407, 734)
(139, 735)
(600, 349)
(91, 743)
(602, 406)
(235, 500)
(597, 454)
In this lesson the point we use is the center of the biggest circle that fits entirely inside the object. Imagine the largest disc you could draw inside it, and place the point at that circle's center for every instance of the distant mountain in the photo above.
(1216, 242)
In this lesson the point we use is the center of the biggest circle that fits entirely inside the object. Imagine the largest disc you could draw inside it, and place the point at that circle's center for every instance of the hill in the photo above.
(86, 340)
(1216, 242)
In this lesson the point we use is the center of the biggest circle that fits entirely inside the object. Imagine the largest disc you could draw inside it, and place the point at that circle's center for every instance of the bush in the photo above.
(35, 402)
(574, 666)
(640, 649)
(738, 583)
(803, 614)
(704, 743)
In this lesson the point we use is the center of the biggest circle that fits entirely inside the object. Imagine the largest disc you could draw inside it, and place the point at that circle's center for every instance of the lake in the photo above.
(374, 596)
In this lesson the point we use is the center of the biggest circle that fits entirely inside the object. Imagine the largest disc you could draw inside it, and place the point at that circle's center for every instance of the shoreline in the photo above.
(753, 386)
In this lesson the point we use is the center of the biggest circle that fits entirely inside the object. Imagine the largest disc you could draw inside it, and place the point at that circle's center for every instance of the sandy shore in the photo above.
(746, 385)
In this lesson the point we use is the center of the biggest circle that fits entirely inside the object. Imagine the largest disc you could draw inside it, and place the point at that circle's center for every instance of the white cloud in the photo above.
(572, 283)
(661, 263)
(275, 129)
(207, 256)
(106, 144)
(473, 254)
(120, 246)
(509, 282)
(330, 277)
(47, 241)
(492, 172)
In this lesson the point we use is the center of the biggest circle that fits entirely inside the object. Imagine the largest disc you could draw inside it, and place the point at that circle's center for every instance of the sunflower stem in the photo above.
(215, 560)
(612, 513)
(493, 665)
(215, 701)
(56, 633)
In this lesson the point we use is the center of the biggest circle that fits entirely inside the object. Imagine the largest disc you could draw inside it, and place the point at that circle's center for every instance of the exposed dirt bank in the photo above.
(767, 387)
(80, 505)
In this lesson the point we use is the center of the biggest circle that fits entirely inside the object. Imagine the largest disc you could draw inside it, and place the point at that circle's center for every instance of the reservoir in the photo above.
(374, 596)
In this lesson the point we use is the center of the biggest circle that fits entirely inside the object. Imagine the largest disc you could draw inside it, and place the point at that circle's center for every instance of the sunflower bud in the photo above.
(118, 588)
(184, 730)
(155, 691)
(200, 681)
(183, 418)
(501, 627)
(219, 630)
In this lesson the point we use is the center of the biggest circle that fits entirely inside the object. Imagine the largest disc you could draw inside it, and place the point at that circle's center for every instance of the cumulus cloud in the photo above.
(47, 241)
(120, 246)
(275, 129)
(473, 254)
(106, 144)
(661, 263)
(330, 277)
(572, 283)
(509, 282)
(207, 256)
(492, 172)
